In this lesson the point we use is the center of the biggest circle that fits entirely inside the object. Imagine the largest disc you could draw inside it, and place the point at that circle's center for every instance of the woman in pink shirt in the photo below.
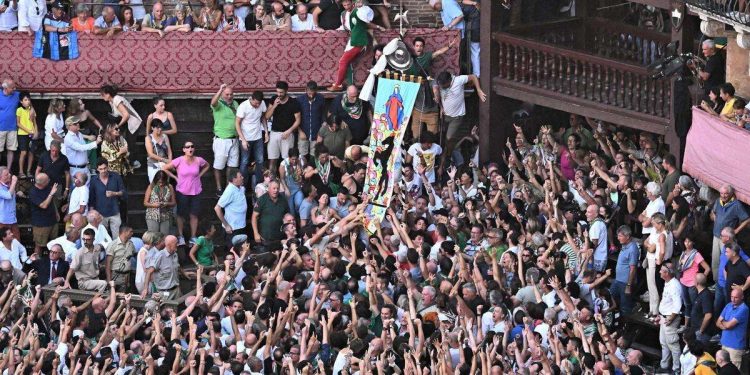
(189, 169)
(690, 260)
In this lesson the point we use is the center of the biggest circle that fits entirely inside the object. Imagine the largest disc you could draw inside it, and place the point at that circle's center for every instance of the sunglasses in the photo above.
(189, 146)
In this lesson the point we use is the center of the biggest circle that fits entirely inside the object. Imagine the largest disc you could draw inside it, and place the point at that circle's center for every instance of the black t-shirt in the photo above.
(716, 67)
(703, 304)
(252, 23)
(330, 15)
(55, 170)
(283, 115)
(97, 323)
(356, 118)
(42, 217)
(737, 273)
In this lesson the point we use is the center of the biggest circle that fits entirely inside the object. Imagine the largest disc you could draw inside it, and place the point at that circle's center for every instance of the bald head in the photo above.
(41, 180)
(6, 265)
(170, 243)
(352, 92)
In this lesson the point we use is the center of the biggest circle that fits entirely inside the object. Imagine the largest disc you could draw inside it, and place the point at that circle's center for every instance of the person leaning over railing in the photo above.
(83, 22)
(107, 23)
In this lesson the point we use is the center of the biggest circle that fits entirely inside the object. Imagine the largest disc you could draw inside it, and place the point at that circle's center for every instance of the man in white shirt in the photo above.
(67, 242)
(30, 15)
(598, 235)
(253, 132)
(669, 314)
(424, 153)
(302, 21)
(76, 148)
(450, 92)
(9, 15)
(79, 197)
(12, 250)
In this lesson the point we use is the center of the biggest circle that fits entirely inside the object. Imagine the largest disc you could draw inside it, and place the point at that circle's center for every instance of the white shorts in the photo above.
(279, 147)
(226, 153)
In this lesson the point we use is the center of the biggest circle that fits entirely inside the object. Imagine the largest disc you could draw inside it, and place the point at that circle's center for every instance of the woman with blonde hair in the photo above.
(659, 246)
(54, 125)
(115, 150)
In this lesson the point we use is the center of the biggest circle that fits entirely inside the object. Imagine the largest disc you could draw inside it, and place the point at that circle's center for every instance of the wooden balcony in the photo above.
(601, 74)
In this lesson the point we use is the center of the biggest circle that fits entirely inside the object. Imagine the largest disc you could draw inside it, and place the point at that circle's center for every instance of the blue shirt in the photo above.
(450, 11)
(98, 199)
(305, 208)
(628, 257)
(7, 206)
(312, 114)
(728, 215)
(723, 264)
(735, 338)
(8, 106)
(235, 206)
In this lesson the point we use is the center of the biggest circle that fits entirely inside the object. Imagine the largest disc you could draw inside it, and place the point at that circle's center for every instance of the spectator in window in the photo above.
(31, 15)
(168, 124)
(733, 325)
(156, 21)
(277, 19)
(106, 191)
(159, 201)
(158, 149)
(209, 17)
(327, 15)
(312, 104)
(9, 100)
(253, 132)
(129, 23)
(302, 21)
(107, 24)
(180, 21)
(715, 103)
(44, 215)
(83, 23)
(189, 170)
(254, 21)
(286, 117)
(727, 212)
(230, 22)
(714, 73)
(9, 16)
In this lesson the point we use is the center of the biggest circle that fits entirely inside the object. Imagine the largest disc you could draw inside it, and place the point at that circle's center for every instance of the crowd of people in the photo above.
(538, 264)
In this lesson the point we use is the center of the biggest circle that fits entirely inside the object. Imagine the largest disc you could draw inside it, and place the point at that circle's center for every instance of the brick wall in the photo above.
(420, 13)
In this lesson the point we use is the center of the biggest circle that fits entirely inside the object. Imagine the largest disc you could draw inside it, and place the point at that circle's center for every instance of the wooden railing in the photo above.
(569, 76)
(601, 37)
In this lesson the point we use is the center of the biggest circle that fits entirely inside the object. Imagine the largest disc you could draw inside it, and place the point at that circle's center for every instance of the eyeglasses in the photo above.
(189, 146)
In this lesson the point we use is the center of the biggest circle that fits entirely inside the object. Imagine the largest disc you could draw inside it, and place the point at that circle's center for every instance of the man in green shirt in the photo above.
(268, 215)
(226, 147)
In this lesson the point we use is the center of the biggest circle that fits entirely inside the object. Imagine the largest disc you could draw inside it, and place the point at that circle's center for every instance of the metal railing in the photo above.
(737, 11)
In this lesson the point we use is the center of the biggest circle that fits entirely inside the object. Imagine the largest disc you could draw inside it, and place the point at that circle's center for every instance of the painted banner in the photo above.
(393, 106)
(716, 153)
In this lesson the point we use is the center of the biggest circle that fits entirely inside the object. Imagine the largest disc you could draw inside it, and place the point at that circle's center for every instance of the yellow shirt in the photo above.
(728, 109)
(705, 365)
(27, 127)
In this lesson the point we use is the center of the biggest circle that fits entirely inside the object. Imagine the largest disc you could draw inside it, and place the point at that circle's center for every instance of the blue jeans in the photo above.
(617, 290)
(254, 148)
(720, 299)
(295, 201)
(689, 294)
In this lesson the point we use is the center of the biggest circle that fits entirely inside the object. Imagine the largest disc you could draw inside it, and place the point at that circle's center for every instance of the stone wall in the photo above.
(420, 13)
(738, 66)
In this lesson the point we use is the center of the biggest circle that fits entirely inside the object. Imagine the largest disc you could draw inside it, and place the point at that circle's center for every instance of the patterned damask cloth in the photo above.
(198, 62)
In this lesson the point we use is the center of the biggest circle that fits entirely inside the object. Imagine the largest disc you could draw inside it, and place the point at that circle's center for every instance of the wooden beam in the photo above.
(490, 13)
(581, 107)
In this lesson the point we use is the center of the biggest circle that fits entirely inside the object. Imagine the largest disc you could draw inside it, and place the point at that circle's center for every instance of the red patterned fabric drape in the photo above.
(198, 62)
